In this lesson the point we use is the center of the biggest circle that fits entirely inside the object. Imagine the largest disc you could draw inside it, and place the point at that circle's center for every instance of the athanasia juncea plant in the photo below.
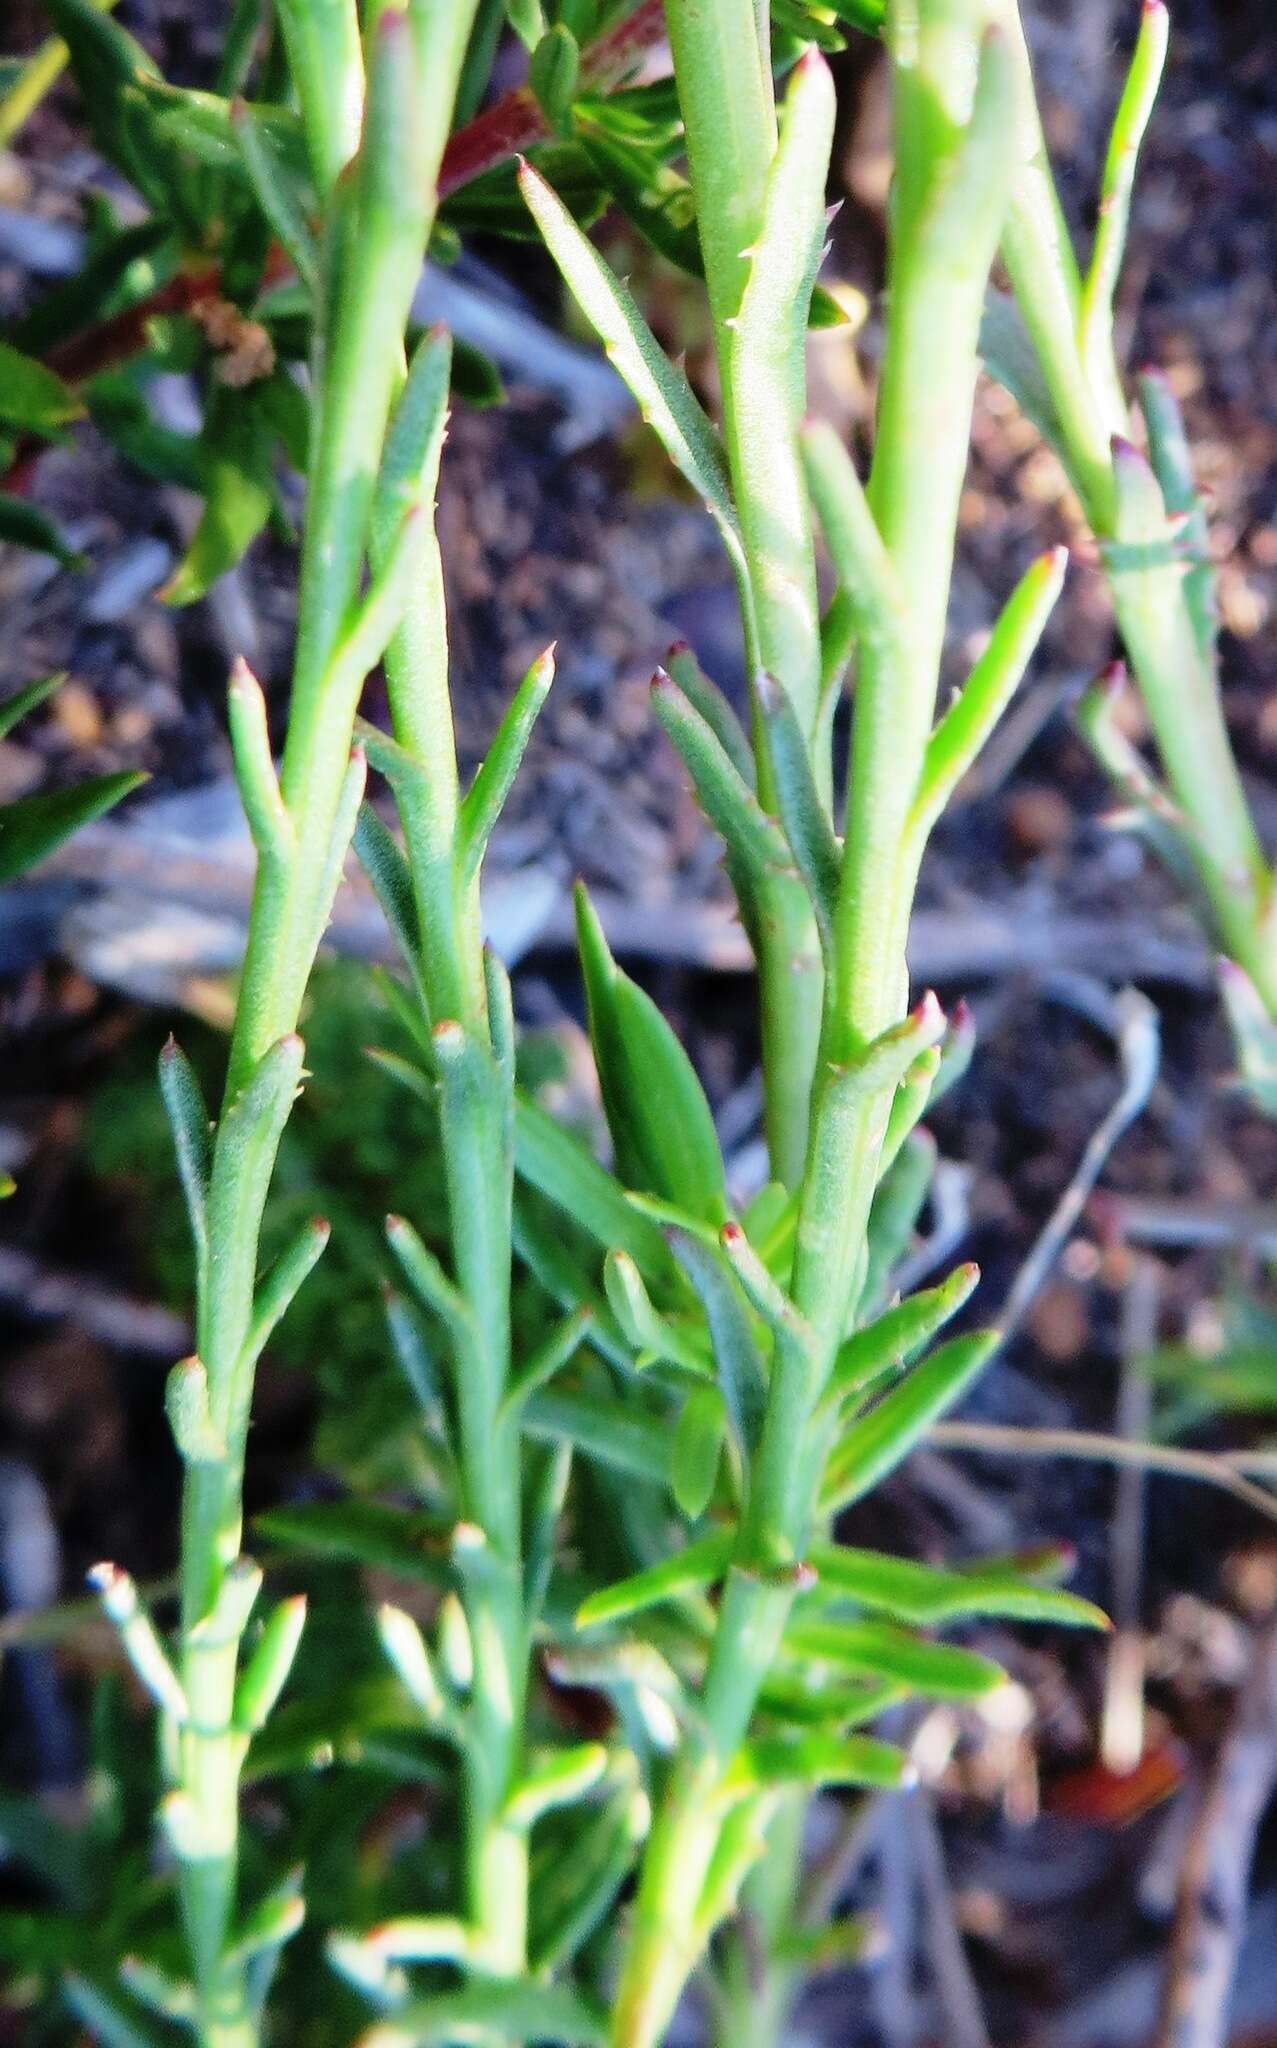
(640, 1503)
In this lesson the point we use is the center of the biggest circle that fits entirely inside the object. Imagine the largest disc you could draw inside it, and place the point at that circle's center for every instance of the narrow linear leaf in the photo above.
(570, 1894)
(33, 827)
(1134, 110)
(897, 1205)
(742, 1378)
(114, 2023)
(654, 1336)
(549, 1358)
(802, 813)
(876, 1444)
(409, 469)
(561, 1779)
(269, 1664)
(277, 1291)
(894, 1339)
(192, 1132)
(656, 1109)
(264, 807)
(851, 534)
(282, 197)
(664, 396)
(485, 798)
(362, 1532)
(22, 702)
(32, 397)
(552, 1160)
(907, 1591)
(614, 1432)
(689, 1571)
(766, 354)
(874, 1649)
(710, 704)
(969, 720)
(697, 1449)
(23, 525)
(1173, 464)
(908, 1107)
(818, 1759)
(513, 2010)
(753, 843)
(382, 860)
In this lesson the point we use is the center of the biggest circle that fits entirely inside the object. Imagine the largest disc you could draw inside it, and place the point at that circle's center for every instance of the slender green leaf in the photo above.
(818, 1759)
(560, 1779)
(897, 1206)
(876, 1444)
(572, 1890)
(514, 2010)
(485, 799)
(551, 1355)
(22, 702)
(192, 1132)
(710, 705)
(614, 1432)
(552, 1160)
(553, 74)
(654, 1336)
(33, 827)
(906, 1591)
(742, 1378)
(971, 717)
(286, 201)
(656, 1109)
(324, 56)
(663, 394)
(26, 526)
(115, 2023)
(894, 1338)
(410, 459)
(269, 1664)
(32, 398)
(237, 447)
(362, 1532)
(1095, 314)
(690, 1570)
(278, 1289)
(382, 860)
(875, 1649)
(696, 1451)
(766, 370)
(802, 813)
(1173, 464)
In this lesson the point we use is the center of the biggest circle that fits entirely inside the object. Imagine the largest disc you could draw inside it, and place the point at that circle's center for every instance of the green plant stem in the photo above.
(378, 225)
(476, 1091)
(724, 87)
(952, 173)
(1177, 676)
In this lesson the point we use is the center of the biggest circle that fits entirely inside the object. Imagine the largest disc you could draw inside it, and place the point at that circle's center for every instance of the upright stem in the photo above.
(950, 194)
(379, 212)
(476, 1110)
(724, 85)
(1177, 675)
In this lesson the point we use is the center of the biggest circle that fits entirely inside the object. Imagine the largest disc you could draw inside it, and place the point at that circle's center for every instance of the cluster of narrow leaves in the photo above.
(32, 827)
(578, 1504)
(214, 282)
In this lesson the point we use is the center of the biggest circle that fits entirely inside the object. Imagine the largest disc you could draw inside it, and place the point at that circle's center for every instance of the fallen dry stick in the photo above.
(1210, 1917)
